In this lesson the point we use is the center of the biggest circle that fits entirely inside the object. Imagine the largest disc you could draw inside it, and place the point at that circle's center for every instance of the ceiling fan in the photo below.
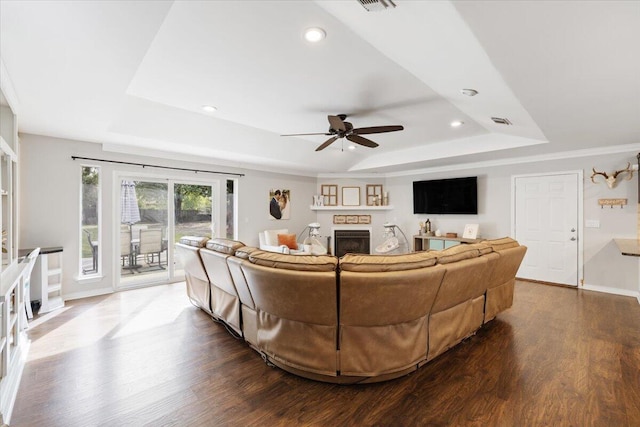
(340, 129)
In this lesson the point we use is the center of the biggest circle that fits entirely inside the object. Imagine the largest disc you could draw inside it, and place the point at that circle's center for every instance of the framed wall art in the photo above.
(374, 195)
(329, 194)
(339, 219)
(350, 196)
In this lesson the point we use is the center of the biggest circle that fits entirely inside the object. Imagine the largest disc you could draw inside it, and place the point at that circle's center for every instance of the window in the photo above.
(90, 221)
(231, 211)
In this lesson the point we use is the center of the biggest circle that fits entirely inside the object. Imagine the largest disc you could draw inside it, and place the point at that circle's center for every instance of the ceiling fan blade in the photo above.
(377, 129)
(304, 134)
(362, 141)
(327, 143)
(337, 123)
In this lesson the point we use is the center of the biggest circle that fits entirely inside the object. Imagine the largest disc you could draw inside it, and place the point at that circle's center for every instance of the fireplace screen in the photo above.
(352, 241)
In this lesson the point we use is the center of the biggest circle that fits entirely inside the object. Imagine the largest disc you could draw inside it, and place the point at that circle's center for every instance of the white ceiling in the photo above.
(134, 75)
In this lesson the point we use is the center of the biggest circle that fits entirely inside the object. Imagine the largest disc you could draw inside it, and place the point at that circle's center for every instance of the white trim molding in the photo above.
(614, 291)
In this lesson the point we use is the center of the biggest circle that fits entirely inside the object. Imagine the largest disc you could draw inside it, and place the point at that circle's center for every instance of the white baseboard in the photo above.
(615, 291)
(89, 293)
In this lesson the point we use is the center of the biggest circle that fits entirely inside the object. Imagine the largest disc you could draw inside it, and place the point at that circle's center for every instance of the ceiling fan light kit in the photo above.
(338, 128)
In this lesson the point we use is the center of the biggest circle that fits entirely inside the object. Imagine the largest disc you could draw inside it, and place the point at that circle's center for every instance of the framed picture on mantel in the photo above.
(350, 196)
(329, 194)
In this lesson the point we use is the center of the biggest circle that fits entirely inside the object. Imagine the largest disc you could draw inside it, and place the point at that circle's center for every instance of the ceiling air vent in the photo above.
(501, 121)
(376, 5)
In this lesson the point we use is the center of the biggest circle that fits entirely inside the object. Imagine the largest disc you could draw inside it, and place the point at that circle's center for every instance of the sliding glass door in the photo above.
(144, 225)
(193, 213)
(154, 213)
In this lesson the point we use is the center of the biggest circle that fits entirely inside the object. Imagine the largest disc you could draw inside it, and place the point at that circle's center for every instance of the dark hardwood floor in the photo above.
(558, 357)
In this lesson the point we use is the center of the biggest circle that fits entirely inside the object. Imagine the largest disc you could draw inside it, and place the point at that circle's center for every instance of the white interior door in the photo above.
(546, 221)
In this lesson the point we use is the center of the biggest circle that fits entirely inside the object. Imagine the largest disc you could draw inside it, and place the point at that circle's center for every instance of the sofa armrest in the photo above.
(282, 249)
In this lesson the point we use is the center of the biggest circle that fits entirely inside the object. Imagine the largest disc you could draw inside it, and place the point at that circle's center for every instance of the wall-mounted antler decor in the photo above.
(613, 179)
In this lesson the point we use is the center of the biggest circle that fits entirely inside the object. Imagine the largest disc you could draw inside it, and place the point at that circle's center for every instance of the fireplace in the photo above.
(352, 241)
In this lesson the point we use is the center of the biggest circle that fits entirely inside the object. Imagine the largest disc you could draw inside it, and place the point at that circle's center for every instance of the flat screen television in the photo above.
(446, 196)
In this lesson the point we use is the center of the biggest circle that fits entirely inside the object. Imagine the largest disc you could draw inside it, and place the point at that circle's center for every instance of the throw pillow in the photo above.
(288, 240)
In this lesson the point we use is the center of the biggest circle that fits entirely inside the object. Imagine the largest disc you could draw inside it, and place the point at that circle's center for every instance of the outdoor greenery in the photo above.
(152, 196)
(90, 181)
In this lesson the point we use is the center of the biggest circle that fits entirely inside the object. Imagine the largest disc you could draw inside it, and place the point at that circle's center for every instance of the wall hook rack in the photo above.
(612, 202)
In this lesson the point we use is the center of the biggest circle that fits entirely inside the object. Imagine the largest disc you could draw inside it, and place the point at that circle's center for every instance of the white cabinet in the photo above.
(13, 340)
(8, 181)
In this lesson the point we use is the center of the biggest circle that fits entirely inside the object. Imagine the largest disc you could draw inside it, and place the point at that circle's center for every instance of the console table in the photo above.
(46, 278)
(629, 247)
(425, 243)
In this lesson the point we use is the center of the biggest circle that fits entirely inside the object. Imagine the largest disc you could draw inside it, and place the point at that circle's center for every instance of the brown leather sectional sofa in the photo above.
(357, 319)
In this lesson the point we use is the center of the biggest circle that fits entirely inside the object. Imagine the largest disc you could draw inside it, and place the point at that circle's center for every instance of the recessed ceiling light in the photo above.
(209, 108)
(456, 123)
(314, 35)
(469, 92)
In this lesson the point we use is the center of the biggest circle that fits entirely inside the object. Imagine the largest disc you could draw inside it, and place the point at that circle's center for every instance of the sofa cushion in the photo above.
(457, 253)
(375, 263)
(294, 262)
(197, 241)
(503, 243)
(245, 251)
(483, 247)
(289, 240)
(225, 246)
(271, 236)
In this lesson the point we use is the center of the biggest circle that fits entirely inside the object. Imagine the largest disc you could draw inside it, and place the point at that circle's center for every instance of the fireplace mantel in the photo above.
(351, 208)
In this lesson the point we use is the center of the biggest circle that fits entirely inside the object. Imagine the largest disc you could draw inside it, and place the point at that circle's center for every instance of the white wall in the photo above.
(604, 266)
(50, 185)
(50, 202)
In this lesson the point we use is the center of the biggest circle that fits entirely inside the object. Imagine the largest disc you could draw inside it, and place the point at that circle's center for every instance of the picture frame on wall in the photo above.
(350, 196)
(279, 204)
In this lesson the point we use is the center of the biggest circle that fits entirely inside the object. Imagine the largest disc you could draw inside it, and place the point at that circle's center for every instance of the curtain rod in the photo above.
(144, 165)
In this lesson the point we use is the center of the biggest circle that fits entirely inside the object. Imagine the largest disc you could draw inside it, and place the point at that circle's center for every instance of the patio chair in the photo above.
(125, 246)
(94, 253)
(151, 245)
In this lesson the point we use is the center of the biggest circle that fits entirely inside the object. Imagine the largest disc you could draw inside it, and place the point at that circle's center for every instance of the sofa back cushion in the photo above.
(294, 262)
(483, 247)
(245, 251)
(457, 253)
(195, 241)
(503, 243)
(383, 263)
(225, 246)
